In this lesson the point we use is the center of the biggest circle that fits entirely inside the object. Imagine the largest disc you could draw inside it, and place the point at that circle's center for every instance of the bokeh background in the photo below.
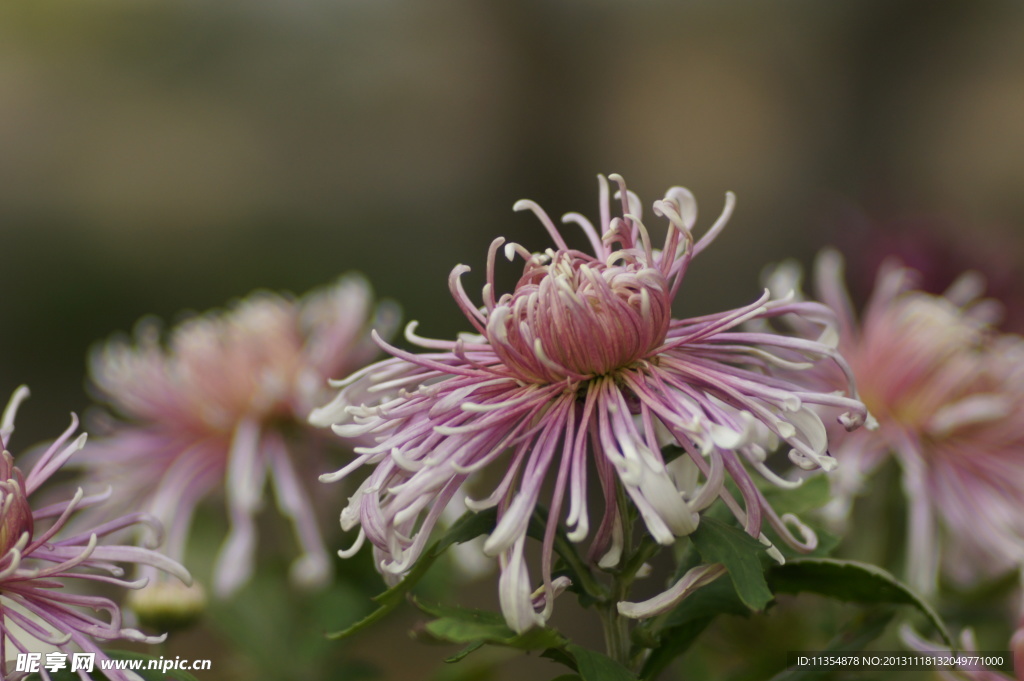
(158, 157)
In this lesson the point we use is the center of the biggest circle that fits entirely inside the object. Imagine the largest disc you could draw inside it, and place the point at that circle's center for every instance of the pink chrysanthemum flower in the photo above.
(219, 407)
(948, 393)
(40, 560)
(580, 370)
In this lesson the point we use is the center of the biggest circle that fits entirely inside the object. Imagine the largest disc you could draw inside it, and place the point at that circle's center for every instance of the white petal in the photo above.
(671, 597)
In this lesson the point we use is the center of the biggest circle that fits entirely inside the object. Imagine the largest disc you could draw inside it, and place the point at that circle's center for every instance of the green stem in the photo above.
(568, 553)
(616, 635)
(644, 552)
(616, 627)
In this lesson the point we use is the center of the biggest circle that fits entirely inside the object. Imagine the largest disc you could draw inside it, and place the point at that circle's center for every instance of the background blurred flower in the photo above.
(39, 559)
(968, 647)
(574, 371)
(948, 393)
(215, 409)
(938, 250)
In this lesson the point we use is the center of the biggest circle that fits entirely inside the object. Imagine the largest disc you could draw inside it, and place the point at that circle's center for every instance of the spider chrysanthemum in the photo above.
(42, 560)
(948, 392)
(220, 408)
(581, 372)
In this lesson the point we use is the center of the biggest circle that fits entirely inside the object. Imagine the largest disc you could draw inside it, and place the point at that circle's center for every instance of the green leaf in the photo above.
(827, 542)
(455, 630)
(852, 582)
(457, 612)
(567, 677)
(561, 657)
(476, 627)
(461, 655)
(469, 526)
(814, 493)
(594, 666)
(719, 542)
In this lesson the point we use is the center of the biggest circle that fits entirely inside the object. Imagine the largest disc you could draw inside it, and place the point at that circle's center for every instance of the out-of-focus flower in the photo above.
(938, 250)
(40, 559)
(1017, 649)
(215, 409)
(968, 648)
(580, 370)
(948, 393)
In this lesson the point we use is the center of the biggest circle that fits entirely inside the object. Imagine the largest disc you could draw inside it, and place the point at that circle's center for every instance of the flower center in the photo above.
(574, 317)
(918, 358)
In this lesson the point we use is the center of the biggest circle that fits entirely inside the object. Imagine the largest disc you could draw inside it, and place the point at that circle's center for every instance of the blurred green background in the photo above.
(158, 157)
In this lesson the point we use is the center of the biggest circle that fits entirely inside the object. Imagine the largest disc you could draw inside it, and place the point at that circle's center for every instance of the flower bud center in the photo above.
(574, 317)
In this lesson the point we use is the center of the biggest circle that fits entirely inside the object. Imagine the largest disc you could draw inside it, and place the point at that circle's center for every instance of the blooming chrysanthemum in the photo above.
(948, 393)
(40, 560)
(580, 370)
(218, 407)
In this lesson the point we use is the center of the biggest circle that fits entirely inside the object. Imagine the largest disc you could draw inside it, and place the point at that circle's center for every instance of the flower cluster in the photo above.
(214, 410)
(41, 560)
(581, 370)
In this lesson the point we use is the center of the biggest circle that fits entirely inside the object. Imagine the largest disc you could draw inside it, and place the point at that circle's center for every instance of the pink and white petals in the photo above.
(219, 407)
(581, 372)
(38, 557)
(945, 387)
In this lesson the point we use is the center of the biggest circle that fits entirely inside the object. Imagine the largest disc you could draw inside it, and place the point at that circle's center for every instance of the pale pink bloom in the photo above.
(577, 373)
(221, 409)
(948, 393)
(41, 559)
